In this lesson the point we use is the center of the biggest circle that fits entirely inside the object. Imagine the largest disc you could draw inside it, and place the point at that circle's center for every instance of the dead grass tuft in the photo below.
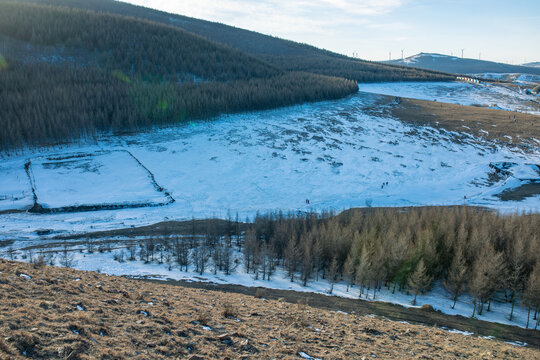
(229, 311)
(204, 316)
(5, 347)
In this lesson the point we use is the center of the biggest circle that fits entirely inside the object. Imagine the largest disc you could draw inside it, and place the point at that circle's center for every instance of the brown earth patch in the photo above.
(478, 120)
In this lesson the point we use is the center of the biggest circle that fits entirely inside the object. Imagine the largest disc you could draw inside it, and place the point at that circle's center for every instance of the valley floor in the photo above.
(334, 155)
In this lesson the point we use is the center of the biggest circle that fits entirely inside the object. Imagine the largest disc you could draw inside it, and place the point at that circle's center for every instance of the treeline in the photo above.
(469, 250)
(43, 104)
(359, 70)
(136, 47)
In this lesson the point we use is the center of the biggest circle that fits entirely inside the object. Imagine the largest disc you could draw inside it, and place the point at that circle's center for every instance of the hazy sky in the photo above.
(501, 30)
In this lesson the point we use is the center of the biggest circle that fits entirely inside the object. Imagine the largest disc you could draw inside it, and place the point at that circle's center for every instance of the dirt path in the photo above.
(390, 311)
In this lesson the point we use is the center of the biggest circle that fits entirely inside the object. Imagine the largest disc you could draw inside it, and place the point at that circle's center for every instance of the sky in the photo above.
(496, 30)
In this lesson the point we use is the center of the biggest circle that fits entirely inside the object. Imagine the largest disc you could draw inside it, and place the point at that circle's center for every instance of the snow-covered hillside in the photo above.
(116, 262)
(332, 153)
(459, 65)
(493, 96)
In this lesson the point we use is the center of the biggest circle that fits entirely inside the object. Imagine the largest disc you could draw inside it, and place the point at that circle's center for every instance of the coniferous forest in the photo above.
(489, 256)
(67, 73)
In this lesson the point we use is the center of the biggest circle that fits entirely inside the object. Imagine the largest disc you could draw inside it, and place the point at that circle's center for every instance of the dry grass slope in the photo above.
(482, 122)
(57, 313)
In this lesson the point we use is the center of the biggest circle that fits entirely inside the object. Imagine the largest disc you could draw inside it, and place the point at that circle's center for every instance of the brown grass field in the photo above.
(474, 120)
(59, 313)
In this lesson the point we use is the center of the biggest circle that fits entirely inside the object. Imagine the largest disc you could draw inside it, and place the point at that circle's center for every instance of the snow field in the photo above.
(15, 189)
(492, 96)
(336, 154)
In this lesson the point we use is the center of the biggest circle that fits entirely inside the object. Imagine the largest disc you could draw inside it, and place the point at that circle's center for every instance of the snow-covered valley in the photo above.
(314, 157)
(335, 154)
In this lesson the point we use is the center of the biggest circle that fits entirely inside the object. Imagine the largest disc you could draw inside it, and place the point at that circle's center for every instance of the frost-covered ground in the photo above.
(438, 298)
(332, 153)
(86, 179)
(514, 77)
(493, 96)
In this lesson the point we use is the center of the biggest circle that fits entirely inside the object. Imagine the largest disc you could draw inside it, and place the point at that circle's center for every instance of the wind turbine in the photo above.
(462, 53)
(402, 54)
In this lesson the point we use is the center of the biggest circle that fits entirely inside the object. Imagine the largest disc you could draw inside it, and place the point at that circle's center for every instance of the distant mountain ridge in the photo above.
(532, 64)
(457, 65)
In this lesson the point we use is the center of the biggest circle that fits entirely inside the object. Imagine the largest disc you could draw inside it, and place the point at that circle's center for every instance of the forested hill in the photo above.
(68, 71)
(284, 54)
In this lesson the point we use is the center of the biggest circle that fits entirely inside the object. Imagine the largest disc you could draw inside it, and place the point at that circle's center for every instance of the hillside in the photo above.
(81, 68)
(456, 65)
(67, 73)
(284, 54)
(51, 313)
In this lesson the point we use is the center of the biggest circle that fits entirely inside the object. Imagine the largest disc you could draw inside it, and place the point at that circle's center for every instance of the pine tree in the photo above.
(419, 280)
(363, 271)
(456, 277)
(486, 277)
(332, 274)
(532, 293)
(291, 256)
(349, 270)
(307, 258)
(515, 280)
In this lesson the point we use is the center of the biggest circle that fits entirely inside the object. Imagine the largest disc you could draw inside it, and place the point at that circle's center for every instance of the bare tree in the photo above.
(201, 255)
(291, 256)
(11, 253)
(66, 257)
(363, 271)
(181, 250)
(227, 257)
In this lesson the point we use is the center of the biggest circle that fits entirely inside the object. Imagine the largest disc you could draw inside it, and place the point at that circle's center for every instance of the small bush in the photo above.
(39, 261)
(204, 317)
(229, 311)
(260, 293)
